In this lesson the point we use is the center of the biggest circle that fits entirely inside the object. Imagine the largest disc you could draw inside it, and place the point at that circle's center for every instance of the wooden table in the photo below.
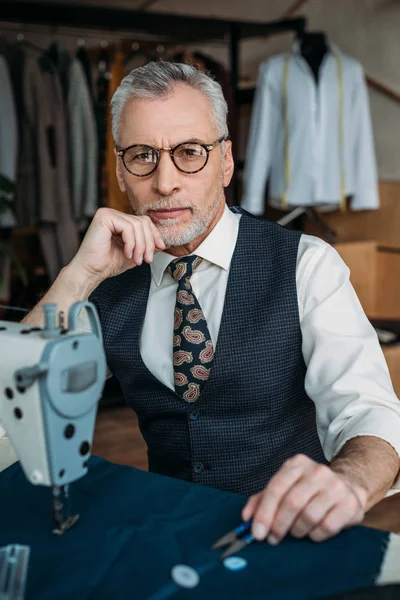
(385, 515)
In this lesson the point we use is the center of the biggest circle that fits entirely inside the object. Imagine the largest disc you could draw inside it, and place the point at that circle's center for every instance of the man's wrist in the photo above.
(370, 463)
(80, 282)
(358, 487)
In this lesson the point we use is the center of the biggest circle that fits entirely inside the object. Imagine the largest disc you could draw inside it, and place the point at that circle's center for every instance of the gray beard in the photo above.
(200, 222)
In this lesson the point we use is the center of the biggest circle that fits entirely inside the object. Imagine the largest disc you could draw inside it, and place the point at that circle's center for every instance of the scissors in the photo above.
(233, 540)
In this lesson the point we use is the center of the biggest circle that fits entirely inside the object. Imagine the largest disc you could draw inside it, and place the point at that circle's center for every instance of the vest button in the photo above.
(198, 467)
(194, 415)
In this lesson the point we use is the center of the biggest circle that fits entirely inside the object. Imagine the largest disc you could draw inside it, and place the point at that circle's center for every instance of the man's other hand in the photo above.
(305, 498)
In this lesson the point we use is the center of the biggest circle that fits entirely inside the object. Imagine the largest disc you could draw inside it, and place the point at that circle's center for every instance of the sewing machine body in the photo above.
(50, 385)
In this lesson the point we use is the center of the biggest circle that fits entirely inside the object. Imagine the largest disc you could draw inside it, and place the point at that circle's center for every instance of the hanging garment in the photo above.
(14, 56)
(32, 120)
(5, 262)
(116, 199)
(82, 138)
(42, 194)
(83, 57)
(57, 229)
(83, 144)
(64, 61)
(313, 142)
(8, 147)
(101, 111)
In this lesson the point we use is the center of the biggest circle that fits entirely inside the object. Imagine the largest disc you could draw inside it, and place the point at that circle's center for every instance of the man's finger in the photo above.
(342, 515)
(307, 489)
(251, 506)
(325, 489)
(313, 514)
(130, 233)
(149, 243)
(140, 243)
(147, 223)
(127, 236)
(273, 494)
(159, 242)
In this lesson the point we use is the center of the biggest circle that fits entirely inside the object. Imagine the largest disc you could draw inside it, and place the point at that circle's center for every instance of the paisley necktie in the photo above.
(193, 350)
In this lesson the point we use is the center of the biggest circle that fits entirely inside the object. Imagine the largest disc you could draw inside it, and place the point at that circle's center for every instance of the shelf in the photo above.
(164, 25)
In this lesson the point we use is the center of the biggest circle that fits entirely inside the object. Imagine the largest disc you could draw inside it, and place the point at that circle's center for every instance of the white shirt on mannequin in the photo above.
(315, 149)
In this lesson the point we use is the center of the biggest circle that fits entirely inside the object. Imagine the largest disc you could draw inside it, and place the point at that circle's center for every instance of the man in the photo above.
(249, 361)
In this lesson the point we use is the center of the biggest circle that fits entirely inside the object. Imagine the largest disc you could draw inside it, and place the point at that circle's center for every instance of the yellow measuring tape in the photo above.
(286, 130)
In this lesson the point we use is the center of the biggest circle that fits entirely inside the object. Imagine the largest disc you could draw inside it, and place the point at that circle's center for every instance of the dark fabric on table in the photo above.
(384, 592)
(135, 526)
(253, 412)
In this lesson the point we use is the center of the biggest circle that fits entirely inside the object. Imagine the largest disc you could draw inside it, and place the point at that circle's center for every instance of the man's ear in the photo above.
(119, 167)
(229, 165)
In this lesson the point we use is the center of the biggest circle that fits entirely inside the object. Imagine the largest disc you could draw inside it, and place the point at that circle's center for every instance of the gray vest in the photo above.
(254, 412)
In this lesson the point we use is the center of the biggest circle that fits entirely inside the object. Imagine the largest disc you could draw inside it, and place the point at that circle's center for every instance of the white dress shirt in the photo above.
(347, 377)
(315, 162)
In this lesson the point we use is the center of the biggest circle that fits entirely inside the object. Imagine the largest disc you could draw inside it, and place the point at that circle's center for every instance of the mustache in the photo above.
(162, 203)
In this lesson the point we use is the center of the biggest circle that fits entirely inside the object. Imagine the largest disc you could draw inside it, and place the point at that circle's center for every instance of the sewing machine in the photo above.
(51, 380)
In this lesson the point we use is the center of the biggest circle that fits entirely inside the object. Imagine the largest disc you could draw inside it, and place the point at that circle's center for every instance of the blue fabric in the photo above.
(254, 412)
(135, 526)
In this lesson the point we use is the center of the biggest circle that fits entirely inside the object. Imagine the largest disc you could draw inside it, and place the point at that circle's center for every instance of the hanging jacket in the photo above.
(83, 57)
(83, 144)
(8, 147)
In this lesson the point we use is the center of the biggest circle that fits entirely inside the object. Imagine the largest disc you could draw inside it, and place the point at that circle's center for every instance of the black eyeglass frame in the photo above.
(207, 147)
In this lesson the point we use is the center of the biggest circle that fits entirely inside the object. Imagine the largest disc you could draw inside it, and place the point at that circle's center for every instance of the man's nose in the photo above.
(166, 177)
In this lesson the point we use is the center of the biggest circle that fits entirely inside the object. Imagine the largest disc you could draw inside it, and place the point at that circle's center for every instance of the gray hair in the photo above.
(155, 80)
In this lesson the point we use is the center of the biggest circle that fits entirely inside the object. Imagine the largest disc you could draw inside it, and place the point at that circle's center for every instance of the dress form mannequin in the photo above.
(313, 47)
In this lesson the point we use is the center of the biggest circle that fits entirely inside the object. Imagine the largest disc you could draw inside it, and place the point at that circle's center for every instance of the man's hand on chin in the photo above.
(305, 498)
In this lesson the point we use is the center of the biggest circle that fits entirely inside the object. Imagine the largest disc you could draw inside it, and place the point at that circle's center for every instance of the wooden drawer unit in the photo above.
(375, 275)
(392, 355)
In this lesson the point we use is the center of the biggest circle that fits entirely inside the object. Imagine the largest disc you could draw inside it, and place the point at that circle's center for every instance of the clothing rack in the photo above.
(162, 26)
(92, 40)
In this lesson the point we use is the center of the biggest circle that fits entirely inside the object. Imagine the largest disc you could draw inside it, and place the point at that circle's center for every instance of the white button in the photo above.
(235, 563)
(185, 576)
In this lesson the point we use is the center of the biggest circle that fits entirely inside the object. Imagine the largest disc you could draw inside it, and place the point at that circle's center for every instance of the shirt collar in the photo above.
(217, 248)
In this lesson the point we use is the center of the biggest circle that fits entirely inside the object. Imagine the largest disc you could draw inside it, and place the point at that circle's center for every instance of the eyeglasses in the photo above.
(190, 157)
